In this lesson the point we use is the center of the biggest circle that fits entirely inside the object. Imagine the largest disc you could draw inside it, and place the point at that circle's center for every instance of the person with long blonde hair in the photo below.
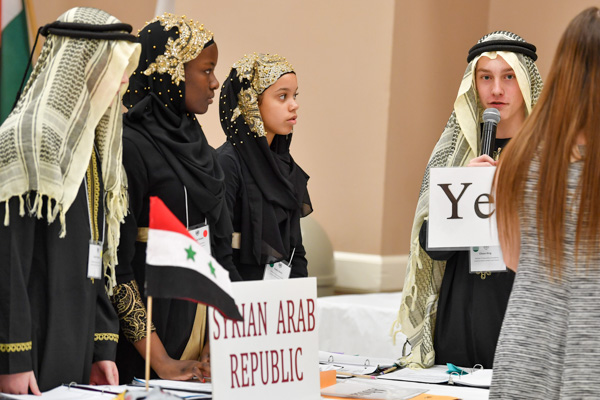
(548, 188)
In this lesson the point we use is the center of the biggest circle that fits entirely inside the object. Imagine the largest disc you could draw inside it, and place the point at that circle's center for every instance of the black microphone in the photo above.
(491, 117)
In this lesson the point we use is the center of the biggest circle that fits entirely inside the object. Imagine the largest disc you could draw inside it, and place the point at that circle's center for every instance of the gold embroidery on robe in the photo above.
(98, 337)
(15, 347)
(131, 311)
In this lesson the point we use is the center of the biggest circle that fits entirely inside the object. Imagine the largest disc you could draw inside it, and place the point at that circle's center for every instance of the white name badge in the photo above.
(278, 270)
(202, 235)
(94, 270)
(486, 259)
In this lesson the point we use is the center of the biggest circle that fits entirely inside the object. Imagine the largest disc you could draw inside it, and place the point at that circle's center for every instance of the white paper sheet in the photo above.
(355, 390)
(186, 386)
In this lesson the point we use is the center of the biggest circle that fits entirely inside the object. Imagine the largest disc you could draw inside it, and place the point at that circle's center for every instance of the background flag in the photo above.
(163, 6)
(14, 52)
(178, 267)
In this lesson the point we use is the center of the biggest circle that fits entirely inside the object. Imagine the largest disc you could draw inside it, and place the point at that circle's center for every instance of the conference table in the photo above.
(361, 324)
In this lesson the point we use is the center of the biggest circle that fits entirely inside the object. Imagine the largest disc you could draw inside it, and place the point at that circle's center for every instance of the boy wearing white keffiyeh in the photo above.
(458, 145)
(63, 196)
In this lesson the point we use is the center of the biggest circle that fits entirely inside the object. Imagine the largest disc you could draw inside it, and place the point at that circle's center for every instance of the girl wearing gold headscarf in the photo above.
(167, 155)
(266, 189)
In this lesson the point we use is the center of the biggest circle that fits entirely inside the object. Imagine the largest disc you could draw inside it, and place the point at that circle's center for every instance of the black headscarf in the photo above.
(156, 109)
(275, 185)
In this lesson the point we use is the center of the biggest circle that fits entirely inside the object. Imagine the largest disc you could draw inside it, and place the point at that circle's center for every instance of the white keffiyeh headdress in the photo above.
(458, 144)
(70, 103)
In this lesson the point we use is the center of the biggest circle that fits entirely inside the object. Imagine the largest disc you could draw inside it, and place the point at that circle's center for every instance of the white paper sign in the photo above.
(460, 213)
(273, 353)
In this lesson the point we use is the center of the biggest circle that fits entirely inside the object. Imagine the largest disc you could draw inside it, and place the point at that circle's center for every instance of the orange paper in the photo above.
(328, 378)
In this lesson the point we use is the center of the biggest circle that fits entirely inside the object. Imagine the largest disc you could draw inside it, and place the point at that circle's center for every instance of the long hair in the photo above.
(569, 107)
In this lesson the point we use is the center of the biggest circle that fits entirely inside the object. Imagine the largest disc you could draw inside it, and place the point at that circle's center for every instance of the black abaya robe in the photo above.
(149, 174)
(46, 298)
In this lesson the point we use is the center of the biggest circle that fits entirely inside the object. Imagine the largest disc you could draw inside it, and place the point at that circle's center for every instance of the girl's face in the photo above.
(278, 107)
(200, 80)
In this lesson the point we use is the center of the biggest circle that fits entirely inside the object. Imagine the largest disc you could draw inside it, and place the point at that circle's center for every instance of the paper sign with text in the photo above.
(461, 213)
(274, 352)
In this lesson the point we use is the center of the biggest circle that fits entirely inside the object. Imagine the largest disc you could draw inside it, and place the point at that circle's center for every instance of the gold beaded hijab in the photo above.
(259, 71)
(168, 42)
(70, 103)
(274, 184)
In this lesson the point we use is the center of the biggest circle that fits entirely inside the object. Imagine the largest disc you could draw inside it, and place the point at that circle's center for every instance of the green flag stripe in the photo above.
(14, 54)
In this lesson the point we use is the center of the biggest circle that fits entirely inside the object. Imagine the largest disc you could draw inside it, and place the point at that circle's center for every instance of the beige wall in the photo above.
(377, 82)
(341, 52)
(134, 12)
(541, 22)
(431, 41)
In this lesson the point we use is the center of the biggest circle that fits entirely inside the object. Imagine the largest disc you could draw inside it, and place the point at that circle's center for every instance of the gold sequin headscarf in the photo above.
(192, 37)
(456, 147)
(256, 72)
(168, 42)
(70, 103)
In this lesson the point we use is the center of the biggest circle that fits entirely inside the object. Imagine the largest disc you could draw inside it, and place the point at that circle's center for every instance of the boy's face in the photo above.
(498, 88)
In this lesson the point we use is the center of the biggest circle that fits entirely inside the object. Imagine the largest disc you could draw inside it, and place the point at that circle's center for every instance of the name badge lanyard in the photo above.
(279, 269)
(187, 217)
(199, 232)
(95, 246)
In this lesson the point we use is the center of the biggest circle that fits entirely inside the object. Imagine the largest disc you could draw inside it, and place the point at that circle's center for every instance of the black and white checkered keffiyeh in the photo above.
(70, 103)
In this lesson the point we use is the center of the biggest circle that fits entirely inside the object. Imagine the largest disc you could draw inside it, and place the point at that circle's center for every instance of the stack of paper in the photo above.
(366, 390)
(438, 374)
(352, 364)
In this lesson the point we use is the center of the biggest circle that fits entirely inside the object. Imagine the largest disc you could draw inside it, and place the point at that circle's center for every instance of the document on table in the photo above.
(355, 390)
(352, 364)
(481, 378)
(184, 390)
(72, 393)
(435, 374)
(185, 386)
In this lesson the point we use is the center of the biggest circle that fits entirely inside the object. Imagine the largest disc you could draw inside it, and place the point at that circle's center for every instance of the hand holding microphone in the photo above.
(491, 117)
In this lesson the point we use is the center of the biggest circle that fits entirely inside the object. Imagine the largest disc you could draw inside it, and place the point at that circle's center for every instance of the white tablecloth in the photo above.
(359, 324)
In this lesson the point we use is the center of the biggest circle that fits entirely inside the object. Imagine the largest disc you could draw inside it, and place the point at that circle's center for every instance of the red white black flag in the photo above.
(178, 267)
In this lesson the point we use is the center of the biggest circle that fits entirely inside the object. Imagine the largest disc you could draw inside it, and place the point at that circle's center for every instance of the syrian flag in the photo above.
(178, 267)
(14, 52)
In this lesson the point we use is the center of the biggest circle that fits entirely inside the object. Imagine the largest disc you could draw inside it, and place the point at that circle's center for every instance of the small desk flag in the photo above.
(178, 267)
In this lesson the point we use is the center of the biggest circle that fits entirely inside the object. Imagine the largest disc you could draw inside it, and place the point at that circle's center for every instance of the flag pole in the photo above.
(32, 27)
(148, 340)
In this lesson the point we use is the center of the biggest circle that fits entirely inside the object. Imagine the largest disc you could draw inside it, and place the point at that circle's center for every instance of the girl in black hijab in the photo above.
(167, 155)
(266, 189)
